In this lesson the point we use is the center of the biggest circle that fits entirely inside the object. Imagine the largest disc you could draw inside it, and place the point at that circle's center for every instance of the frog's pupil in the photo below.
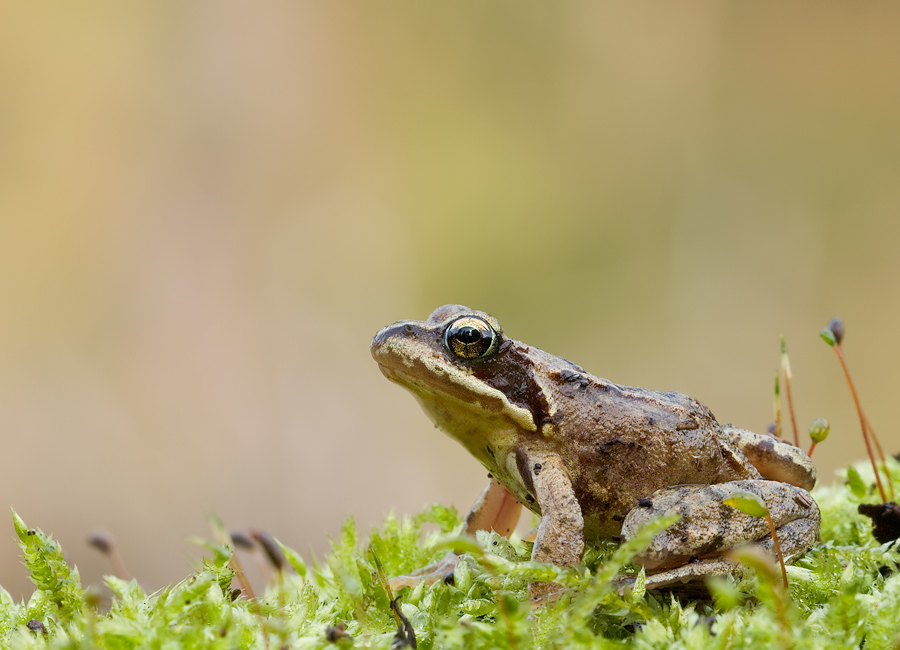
(468, 334)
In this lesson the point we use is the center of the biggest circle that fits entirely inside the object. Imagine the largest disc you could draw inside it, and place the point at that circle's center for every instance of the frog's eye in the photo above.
(470, 337)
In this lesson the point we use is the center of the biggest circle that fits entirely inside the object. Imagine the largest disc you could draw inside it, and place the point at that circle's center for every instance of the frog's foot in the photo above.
(693, 547)
(689, 577)
(544, 593)
(441, 570)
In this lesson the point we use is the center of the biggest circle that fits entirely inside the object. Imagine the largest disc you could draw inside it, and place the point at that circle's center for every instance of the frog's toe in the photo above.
(688, 579)
(441, 570)
(544, 593)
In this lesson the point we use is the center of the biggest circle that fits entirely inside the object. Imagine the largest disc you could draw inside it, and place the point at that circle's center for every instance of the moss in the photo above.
(844, 593)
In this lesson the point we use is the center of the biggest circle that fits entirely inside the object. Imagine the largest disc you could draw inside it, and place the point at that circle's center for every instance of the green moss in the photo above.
(844, 593)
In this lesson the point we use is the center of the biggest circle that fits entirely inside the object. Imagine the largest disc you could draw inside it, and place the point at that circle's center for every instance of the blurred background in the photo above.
(207, 209)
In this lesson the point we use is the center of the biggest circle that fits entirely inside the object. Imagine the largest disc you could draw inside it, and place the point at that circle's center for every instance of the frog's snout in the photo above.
(378, 341)
(387, 337)
(395, 343)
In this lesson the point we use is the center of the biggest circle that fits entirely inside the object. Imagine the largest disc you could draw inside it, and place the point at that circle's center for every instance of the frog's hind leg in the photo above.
(690, 577)
(495, 509)
(695, 546)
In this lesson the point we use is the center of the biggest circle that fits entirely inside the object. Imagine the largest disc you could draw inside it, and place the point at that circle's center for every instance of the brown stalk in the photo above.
(102, 540)
(786, 368)
(862, 420)
(777, 405)
(777, 546)
(241, 577)
(881, 458)
(762, 564)
(225, 538)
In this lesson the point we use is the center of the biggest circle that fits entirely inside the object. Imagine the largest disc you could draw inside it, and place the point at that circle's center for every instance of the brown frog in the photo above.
(593, 458)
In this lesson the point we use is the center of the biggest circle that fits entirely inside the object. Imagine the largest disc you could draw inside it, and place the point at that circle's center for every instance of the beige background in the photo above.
(207, 209)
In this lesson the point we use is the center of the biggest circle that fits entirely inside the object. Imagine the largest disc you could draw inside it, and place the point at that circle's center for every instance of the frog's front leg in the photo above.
(694, 546)
(560, 537)
(495, 509)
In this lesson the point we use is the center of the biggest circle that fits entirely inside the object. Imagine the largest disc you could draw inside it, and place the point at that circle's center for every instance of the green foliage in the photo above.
(844, 593)
(59, 591)
(855, 483)
(748, 503)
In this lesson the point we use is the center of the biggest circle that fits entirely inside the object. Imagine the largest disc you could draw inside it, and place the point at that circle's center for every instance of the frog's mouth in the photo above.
(413, 382)
(404, 356)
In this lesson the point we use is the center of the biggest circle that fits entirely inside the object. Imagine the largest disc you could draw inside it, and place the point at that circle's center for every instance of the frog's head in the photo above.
(464, 372)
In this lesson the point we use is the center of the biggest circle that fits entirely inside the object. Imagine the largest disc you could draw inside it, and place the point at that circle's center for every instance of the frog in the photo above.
(592, 458)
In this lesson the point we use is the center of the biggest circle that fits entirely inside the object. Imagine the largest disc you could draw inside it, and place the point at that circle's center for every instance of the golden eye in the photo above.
(470, 337)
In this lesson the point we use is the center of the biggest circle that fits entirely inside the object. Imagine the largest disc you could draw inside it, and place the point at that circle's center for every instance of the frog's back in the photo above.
(621, 444)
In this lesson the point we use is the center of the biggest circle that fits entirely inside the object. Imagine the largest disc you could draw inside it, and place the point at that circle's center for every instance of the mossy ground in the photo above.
(844, 593)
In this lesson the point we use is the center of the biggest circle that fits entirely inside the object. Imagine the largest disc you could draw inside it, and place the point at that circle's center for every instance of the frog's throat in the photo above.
(458, 394)
(489, 437)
